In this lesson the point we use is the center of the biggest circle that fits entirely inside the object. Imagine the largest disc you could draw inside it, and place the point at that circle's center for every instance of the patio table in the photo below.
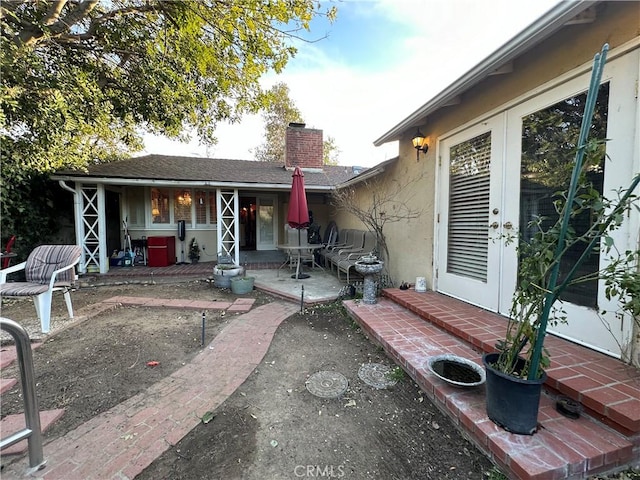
(298, 249)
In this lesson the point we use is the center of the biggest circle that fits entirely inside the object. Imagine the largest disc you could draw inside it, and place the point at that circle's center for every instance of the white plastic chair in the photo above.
(49, 268)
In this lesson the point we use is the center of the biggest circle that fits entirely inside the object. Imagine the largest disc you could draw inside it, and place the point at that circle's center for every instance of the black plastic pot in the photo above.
(512, 403)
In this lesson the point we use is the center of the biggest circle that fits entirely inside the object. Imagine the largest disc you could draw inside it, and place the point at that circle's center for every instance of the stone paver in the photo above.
(239, 305)
(15, 423)
(8, 354)
(7, 384)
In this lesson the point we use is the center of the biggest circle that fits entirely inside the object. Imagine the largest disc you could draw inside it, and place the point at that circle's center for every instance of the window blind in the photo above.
(468, 229)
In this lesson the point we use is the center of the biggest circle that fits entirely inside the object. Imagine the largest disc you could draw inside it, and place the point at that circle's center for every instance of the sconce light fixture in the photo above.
(155, 212)
(419, 143)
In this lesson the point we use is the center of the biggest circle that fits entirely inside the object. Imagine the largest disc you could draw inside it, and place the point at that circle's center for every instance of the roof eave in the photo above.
(544, 26)
(367, 174)
(122, 181)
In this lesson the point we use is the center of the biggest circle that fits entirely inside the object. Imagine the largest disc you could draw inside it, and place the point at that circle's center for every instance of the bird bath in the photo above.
(369, 267)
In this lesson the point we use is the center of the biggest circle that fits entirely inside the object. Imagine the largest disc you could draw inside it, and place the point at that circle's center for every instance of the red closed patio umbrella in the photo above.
(298, 215)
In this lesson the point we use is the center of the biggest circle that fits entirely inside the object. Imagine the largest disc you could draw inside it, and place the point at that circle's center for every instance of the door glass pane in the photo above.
(266, 221)
(468, 229)
(549, 139)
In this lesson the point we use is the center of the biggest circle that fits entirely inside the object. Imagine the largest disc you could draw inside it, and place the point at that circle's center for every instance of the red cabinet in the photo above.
(162, 251)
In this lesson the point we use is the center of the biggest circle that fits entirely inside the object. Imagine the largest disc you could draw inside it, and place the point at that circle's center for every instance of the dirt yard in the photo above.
(271, 427)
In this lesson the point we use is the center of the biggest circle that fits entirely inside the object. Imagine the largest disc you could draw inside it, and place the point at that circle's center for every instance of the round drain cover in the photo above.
(376, 375)
(327, 384)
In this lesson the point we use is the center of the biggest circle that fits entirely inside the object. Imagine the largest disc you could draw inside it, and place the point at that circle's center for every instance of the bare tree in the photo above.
(377, 202)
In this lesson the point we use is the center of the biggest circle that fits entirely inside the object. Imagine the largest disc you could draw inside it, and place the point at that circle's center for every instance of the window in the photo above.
(182, 205)
(159, 205)
(136, 204)
(201, 207)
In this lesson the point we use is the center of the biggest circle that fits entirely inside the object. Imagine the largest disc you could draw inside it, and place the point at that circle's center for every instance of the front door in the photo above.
(498, 175)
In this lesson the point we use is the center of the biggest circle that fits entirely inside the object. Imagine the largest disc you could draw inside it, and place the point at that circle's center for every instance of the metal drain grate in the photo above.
(376, 375)
(327, 384)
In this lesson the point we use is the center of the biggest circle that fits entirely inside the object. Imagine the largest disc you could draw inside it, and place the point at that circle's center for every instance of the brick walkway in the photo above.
(123, 441)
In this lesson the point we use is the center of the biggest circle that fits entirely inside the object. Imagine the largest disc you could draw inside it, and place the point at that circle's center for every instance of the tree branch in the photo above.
(33, 34)
(53, 14)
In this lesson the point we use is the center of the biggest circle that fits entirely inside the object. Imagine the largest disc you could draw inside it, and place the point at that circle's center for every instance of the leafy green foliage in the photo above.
(396, 373)
(82, 80)
(330, 151)
(277, 116)
(280, 112)
(194, 249)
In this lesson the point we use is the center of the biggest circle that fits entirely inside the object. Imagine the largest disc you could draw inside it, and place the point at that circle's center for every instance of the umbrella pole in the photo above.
(299, 275)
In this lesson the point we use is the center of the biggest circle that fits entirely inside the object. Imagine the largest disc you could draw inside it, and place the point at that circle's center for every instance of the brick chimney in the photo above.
(303, 146)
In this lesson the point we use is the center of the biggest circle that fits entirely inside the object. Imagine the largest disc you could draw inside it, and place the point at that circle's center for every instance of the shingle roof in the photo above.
(196, 169)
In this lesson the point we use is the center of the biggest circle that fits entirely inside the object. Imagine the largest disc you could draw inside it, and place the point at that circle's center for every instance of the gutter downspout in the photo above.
(77, 215)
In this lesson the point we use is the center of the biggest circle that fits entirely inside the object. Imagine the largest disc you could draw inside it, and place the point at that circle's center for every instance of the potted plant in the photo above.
(194, 250)
(241, 284)
(515, 373)
(224, 272)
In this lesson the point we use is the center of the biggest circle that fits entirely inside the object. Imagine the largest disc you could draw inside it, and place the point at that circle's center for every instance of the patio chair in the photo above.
(348, 258)
(357, 242)
(299, 238)
(331, 237)
(295, 238)
(48, 269)
(330, 240)
(343, 239)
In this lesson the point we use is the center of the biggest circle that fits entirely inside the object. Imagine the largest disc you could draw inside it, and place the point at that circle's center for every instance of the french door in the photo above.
(497, 176)
(470, 222)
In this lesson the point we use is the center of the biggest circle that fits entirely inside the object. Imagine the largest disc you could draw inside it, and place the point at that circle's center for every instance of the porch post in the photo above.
(102, 231)
(91, 228)
(228, 224)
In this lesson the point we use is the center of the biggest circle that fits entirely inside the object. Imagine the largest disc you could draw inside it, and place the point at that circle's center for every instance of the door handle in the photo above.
(494, 225)
(508, 225)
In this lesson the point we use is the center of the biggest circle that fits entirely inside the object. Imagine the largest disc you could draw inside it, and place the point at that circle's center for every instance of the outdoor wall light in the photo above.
(419, 143)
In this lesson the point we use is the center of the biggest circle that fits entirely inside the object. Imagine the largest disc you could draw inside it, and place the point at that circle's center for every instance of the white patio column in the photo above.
(91, 228)
(228, 225)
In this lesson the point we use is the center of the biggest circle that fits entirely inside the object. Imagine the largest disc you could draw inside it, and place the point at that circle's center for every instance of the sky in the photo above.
(380, 61)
